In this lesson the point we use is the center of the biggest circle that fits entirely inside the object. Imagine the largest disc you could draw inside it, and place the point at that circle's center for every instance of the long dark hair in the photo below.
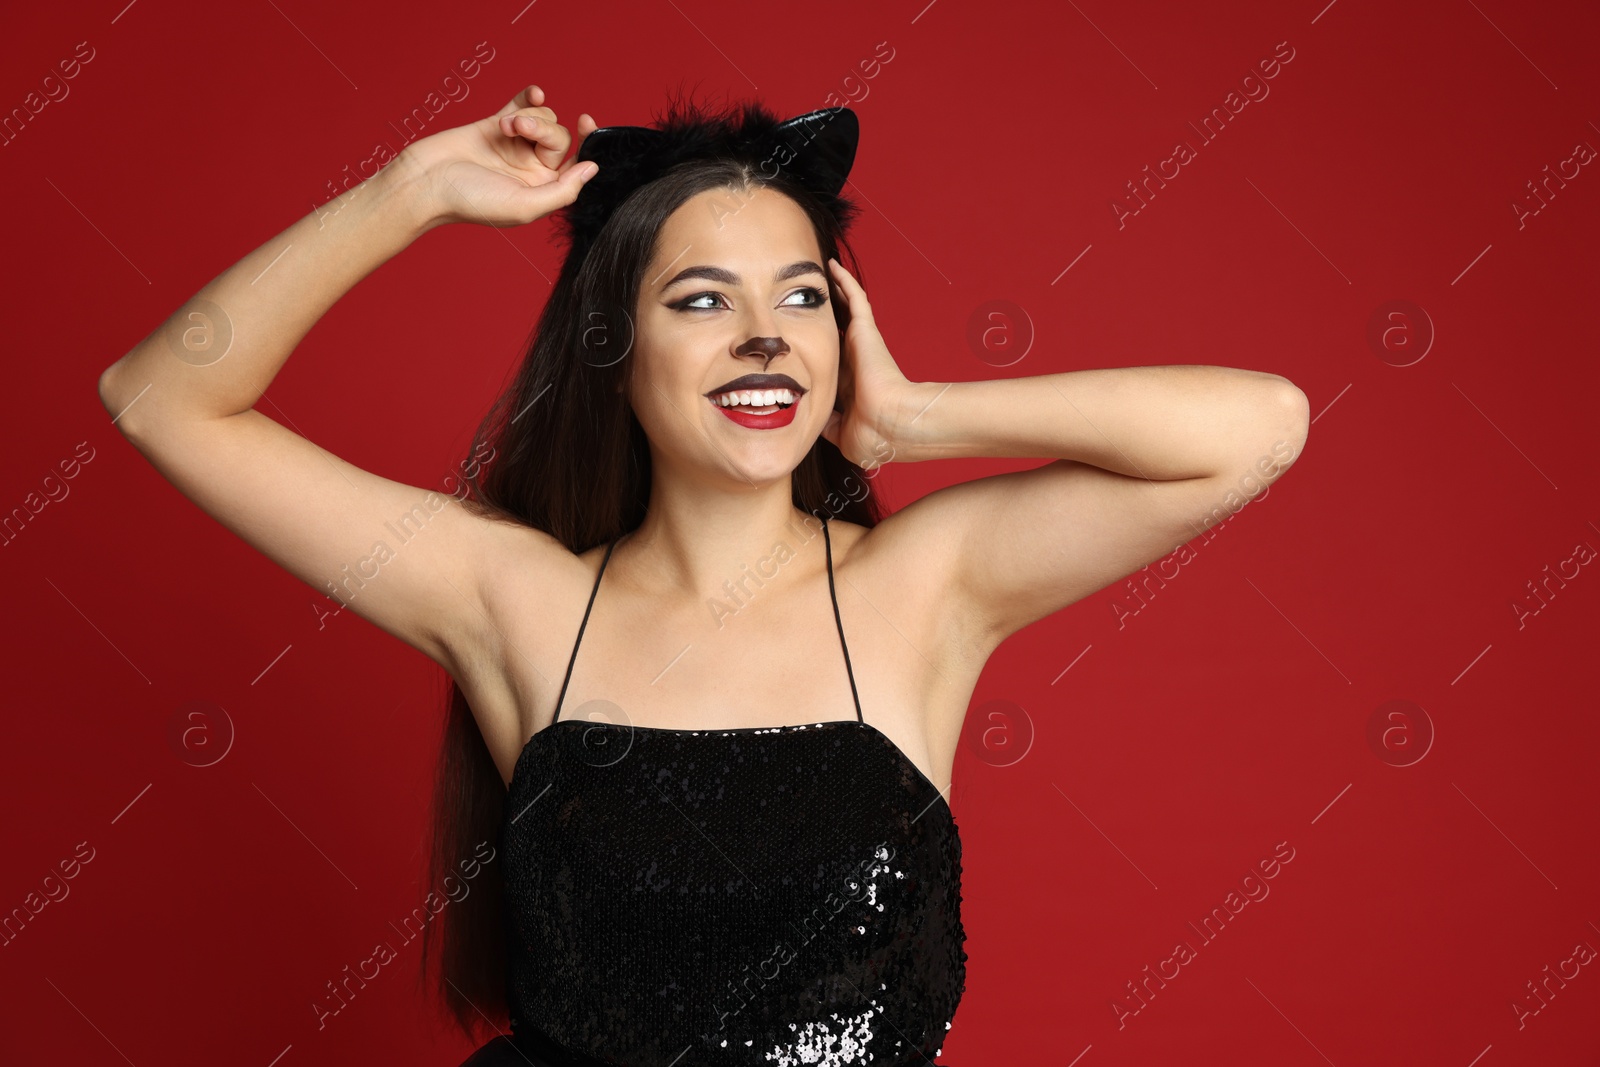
(569, 458)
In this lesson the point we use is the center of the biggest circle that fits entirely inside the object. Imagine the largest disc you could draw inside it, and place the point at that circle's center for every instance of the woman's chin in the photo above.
(761, 467)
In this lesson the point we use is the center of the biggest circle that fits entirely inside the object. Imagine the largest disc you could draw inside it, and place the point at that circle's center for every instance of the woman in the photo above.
(722, 835)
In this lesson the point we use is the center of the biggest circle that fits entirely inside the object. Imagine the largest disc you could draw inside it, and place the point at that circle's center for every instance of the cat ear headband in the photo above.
(816, 150)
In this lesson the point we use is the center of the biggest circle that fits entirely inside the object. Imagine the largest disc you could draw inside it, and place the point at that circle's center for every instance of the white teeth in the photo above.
(759, 398)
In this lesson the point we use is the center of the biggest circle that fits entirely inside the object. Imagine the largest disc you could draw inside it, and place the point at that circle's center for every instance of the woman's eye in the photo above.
(815, 297)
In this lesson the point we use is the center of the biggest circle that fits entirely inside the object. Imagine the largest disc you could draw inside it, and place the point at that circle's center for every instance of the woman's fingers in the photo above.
(532, 96)
(586, 126)
(552, 196)
(855, 297)
(510, 123)
(550, 139)
(541, 112)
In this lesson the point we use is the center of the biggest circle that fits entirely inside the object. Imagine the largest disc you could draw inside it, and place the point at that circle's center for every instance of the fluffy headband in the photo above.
(815, 150)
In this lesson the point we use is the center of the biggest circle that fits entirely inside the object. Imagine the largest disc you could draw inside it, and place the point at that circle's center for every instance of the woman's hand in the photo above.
(505, 170)
(873, 395)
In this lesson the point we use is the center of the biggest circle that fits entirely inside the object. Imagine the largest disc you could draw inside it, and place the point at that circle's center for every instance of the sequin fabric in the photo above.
(764, 897)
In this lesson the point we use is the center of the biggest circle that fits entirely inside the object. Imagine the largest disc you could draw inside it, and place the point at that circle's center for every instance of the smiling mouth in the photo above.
(759, 390)
(756, 401)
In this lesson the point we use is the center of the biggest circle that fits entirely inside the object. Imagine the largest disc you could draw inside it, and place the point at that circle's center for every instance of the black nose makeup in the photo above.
(770, 347)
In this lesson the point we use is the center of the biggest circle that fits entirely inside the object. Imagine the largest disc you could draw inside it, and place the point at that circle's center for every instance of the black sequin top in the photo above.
(778, 896)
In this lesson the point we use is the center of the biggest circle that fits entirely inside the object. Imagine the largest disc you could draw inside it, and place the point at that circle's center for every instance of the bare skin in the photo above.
(1141, 460)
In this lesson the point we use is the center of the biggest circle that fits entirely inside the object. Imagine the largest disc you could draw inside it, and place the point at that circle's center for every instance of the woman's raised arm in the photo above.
(1145, 460)
(185, 395)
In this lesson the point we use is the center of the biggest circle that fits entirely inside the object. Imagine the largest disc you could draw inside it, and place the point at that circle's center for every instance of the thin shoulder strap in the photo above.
(828, 539)
(581, 626)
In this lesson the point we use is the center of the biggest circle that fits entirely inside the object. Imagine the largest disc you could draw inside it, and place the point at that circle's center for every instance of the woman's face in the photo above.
(737, 287)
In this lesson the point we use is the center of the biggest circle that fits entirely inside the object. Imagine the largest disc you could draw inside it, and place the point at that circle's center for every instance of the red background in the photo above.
(1229, 713)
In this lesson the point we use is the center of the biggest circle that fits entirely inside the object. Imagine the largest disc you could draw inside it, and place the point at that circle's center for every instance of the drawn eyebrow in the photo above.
(727, 277)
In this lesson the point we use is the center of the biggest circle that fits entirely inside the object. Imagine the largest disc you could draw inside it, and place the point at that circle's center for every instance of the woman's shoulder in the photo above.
(894, 543)
(906, 556)
(532, 587)
(876, 556)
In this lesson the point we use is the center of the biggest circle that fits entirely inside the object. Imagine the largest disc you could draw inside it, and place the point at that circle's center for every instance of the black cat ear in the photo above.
(824, 145)
(610, 145)
(815, 150)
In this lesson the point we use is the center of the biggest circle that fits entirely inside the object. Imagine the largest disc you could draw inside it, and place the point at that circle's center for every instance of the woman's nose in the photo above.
(759, 322)
(766, 347)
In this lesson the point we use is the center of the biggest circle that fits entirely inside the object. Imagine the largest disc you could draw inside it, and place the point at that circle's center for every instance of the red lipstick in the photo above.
(770, 421)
